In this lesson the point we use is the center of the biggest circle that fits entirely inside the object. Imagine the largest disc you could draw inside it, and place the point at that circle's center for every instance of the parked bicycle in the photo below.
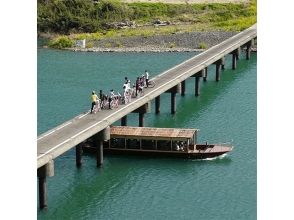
(151, 83)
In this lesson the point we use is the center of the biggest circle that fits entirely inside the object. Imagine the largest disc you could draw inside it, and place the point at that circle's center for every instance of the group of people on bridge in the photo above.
(114, 100)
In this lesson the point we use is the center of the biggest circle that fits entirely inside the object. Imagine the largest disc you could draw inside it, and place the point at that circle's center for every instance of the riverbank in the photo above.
(179, 42)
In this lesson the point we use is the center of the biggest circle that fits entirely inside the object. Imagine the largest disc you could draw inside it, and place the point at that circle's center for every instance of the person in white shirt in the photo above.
(146, 77)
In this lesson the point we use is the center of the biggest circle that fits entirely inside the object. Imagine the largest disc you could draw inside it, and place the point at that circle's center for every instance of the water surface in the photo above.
(146, 188)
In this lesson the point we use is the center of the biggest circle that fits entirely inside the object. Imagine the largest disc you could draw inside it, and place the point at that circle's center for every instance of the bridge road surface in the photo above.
(62, 138)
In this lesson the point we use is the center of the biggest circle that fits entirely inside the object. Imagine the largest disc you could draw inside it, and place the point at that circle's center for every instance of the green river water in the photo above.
(146, 188)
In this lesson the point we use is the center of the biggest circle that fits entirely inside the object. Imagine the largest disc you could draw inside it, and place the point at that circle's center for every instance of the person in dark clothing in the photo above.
(137, 85)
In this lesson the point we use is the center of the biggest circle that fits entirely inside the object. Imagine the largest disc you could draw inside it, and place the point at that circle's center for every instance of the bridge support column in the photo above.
(183, 88)
(234, 61)
(124, 121)
(146, 108)
(42, 173)
(218, 65)
(173, 102)
(99, 154)
(206, 74)
(223, 63)
(248, 49)
(218, 70)
(157, 104)
(173, 91)
(235, 57)
(98, 139)
(42, 187)
(141, 119)
(248, 52)
(79, 153)
(197, 81)
(197, 86)
(238, 52)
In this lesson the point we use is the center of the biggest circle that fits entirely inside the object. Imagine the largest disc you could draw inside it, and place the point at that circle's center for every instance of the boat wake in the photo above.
(214, 158)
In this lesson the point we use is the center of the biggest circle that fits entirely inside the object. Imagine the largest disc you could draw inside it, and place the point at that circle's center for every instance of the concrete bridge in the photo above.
(74, 132)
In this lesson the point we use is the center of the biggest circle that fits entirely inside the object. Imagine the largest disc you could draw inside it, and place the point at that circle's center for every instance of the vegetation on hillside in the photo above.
(89, 19)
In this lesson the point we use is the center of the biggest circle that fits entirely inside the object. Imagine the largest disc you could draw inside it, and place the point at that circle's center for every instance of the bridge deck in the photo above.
(60, 139)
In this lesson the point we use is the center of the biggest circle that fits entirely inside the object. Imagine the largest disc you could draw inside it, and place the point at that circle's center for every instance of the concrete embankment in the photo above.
(178, 42)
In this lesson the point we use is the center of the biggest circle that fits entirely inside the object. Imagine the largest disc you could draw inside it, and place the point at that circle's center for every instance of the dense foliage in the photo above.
(86, 16)
(61, 42)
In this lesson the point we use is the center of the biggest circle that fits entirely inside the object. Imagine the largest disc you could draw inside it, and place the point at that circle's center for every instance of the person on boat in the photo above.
(176, 146)
(146, 77)
(94, 99)
(182, 145)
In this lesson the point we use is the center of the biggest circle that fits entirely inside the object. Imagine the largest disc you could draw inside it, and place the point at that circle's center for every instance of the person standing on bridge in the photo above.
(146, 77)
(94, 99)
(137, 85)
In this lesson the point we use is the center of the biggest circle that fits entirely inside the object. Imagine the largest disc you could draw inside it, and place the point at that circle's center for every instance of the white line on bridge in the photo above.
(55, 130)
(83, 115)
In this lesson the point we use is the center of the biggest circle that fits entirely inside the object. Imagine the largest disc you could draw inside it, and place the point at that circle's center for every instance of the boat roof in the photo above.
(154, 133)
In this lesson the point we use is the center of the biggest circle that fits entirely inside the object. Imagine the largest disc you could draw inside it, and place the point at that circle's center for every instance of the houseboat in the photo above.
(167, 142)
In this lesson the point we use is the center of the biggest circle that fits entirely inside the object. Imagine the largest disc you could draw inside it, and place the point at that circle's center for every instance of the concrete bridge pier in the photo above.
(124, 121)
(197, 81)
(238, 53)
(98, 139)
(79, 153)
(141, 119)
(248, 48)
(183, 88)
(234, 61)
(235, 55)
(223, 63)
(157, 104)
(42, 173)
(146, 108)
(206, 73)
(173, 102)
(218, 65)
(173, 92)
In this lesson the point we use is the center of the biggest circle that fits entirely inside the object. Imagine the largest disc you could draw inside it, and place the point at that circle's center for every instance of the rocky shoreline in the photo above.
(178, 42)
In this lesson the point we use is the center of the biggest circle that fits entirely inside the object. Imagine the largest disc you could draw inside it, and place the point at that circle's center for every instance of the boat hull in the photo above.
(208, 152)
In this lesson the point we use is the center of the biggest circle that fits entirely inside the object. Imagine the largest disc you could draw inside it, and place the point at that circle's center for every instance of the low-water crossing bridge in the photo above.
(74, 132)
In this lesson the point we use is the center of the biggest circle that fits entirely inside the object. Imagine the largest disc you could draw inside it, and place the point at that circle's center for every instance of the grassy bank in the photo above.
(84, 19)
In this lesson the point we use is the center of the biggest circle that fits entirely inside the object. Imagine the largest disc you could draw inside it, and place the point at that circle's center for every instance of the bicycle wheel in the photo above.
(151, 84)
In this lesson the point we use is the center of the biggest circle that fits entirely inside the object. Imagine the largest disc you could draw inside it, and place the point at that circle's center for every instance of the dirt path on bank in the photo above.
(188, 1)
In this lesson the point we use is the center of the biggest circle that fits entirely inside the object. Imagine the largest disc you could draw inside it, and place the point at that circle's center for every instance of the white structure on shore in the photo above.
(81, 43)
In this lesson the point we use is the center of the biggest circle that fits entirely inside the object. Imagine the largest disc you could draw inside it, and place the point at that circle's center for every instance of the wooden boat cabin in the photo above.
(160, 142)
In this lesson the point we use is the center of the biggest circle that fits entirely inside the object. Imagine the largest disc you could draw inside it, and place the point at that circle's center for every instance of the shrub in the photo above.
(172, 45)
(202, 45)
(61, 42)
(90, 44)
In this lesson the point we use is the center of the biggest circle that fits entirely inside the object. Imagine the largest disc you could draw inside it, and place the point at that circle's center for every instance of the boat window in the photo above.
(133, 143)
(164, 145)
(117, 142)
(148, 144)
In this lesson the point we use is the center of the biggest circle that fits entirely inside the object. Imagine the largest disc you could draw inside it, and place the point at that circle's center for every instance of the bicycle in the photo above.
(114, 102)
(151, 84)
(97, 107)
